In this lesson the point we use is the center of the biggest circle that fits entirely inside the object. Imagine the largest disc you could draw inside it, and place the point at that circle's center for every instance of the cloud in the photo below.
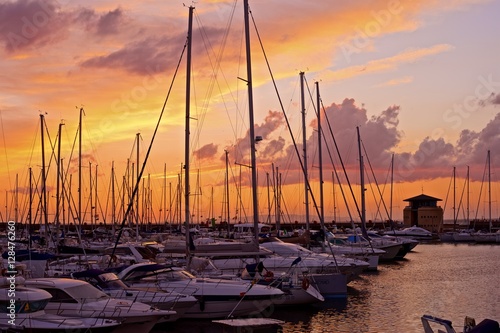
(208, 151)
(29, 24)
(495, 99)
(272, 121)
(111, 22)
(395, 82)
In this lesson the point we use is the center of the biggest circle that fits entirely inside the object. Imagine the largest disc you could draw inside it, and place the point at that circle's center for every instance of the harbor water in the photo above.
(446, 280)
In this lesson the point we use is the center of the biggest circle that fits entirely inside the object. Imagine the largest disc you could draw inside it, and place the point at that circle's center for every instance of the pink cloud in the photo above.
(208, 151)
(28, 24)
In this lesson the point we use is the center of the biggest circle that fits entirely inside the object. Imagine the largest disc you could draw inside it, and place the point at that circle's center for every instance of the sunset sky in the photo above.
(421, 80)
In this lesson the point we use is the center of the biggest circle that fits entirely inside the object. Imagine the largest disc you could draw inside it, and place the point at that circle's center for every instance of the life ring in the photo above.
(269, 276)
(305, 283)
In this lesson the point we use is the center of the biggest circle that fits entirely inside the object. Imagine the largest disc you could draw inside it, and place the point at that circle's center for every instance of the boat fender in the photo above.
(202, 303)
(305, 283)
(269, 276)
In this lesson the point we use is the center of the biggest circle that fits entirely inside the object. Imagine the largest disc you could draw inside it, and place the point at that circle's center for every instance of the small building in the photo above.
(423, 212)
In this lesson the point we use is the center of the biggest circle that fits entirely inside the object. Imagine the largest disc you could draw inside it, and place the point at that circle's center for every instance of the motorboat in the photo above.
(116, 288)
(217, 298)
(412, 232)
(408, 243)
(75, 298)
(393, 249)
(25, 312)
(485, 326)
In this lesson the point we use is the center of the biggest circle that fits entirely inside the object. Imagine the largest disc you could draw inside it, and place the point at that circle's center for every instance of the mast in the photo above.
(468, 222)
(186, 144)
(320, 157)
(362, 181)
(113, 199)
(30, 213)
(392, 180)
(251, 122)
(44, 191)
(164, 219)
(137, 197)
(228, 216)
(489, 190)
(58, 186)
(96, 215)
(16, 199)
(80, 170)
(304, 148)
(454, 199)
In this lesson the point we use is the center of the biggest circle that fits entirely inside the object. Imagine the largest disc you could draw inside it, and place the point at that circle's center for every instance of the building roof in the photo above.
(422, 197)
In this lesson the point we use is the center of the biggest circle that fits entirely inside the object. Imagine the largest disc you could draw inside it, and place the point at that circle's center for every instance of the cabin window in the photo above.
(34, 306)
(59, 296)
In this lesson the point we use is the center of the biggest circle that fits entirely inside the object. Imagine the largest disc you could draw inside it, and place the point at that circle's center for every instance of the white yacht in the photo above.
(75, 298)
(413, 232)
(217, 298)
(116, 288)
(27, 314)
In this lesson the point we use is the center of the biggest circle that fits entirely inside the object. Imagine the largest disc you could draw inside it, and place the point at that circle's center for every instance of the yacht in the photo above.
(75, 298)
(27, 313)
(412, 232)
(116, 288)
(217, 298)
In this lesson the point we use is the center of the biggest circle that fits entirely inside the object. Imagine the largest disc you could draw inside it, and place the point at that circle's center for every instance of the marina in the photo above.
(299, 242)
(450, 281)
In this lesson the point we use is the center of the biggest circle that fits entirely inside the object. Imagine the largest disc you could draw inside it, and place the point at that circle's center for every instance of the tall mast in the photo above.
(468, 222)
(489, 190)
(16, 199)
(304, 148)
(320, 157)
(80, 170)
(96, 202)
(113, 200)
(251, 122)
(58, 186)
(44, 189)
(164, 219)
(228, 216)
(362, 181)
(454, 199)
(392, 180)
(137, 197)
(30, 213)
(188, 118)
(92, 225)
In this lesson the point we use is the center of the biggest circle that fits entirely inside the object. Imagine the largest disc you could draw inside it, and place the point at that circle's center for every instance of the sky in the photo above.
(419, 79)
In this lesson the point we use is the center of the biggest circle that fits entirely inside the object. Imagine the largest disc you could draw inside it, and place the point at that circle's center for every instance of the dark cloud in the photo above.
(495, 100)
(154, 53)
(206, 152)
(272, 149)
(32, 24)
(272, 121)
(141, 57)
(110, 22)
